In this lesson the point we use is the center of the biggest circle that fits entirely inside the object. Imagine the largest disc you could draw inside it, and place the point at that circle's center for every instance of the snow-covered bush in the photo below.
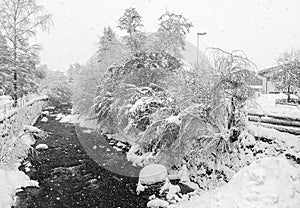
(132, 93)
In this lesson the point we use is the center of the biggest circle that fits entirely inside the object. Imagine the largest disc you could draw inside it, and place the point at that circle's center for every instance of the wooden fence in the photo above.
(281, 123)
(5, 108)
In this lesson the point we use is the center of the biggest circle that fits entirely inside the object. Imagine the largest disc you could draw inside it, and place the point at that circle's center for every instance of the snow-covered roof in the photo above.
(268, 72)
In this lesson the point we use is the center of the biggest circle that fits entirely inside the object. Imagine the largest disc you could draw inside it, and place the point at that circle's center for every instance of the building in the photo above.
(267, 84)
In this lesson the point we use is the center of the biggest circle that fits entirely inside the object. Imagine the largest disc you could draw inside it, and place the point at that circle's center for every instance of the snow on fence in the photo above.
(286, 124)
(7, 109)
(4, 108)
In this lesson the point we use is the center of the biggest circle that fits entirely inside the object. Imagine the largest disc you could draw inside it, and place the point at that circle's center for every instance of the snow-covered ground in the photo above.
(265, 104)
(11, 179)
(269, 183)
(10, 182)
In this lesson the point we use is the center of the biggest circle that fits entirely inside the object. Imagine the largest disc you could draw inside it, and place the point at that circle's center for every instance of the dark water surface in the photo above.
(69, 177)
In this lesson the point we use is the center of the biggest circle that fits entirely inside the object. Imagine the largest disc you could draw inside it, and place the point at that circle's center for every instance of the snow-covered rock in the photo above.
(41, 147)
(152, 174)
(45, 113)
(27, 139)
(185, 178)
(69, 119)
(10, 181)
(268, 182)
(140, 160)
(157, 203)
(32, 129)
(44, 119)
(174, 119)
(59, 116)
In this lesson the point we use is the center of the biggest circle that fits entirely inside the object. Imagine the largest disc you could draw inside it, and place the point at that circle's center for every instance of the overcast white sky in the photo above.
(261, 28)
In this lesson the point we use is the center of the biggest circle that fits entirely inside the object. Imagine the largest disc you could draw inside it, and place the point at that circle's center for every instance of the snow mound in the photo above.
(152, 174)
(268, 182)
(41, 147)
(10, 181)
(157, 203)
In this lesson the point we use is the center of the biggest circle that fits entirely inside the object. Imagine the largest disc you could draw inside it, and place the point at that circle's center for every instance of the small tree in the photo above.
(19, 21)
(287, 75)
(131, 23)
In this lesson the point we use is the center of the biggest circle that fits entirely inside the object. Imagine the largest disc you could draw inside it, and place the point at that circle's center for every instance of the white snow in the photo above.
(32, 129)
(140, 160)
(185, 178)
(59, 116)
(44, 119)
(88, 131)
(41, 147)
(157, 203)
(69, 118)
(152, 174)
(272, 134)
(27, 139)
(174, 119)
(268, 182)
(45, 113)
(266, 105)
(10, 181)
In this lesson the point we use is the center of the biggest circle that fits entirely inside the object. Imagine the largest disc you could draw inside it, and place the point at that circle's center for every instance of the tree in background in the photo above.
(92, 74)
(5, 60)
(170, 37)
(57, 86)
(73, 71)
(287, 75)
(131, 23)
(19, 21)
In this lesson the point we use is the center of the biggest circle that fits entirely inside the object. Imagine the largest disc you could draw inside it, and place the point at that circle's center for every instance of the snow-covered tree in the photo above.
(93, 74)
(5, 65)
(19, 21)
(131, 22)
(73, 71)
(170, 37)
(138, 81)
(57, 87)
(287, 75)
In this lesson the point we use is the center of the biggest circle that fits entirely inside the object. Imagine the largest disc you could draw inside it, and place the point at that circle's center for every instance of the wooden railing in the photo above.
(20, 103)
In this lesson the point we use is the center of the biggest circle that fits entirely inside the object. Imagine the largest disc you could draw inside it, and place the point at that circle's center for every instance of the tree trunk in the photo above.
(289, 94)
(15, 86)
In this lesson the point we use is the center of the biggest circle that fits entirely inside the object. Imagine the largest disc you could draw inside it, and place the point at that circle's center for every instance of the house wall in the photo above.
(268, 86)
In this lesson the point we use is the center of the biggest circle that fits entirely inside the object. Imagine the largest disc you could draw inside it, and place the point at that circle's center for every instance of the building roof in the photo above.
(268, 72)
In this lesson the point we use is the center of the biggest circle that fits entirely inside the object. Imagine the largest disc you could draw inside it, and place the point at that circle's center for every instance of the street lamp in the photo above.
(198, 34)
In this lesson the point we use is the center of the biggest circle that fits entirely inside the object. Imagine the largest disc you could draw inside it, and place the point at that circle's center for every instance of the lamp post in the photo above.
(198, 34)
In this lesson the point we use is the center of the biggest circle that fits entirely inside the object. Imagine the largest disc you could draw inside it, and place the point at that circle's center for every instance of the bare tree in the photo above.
(19, 21)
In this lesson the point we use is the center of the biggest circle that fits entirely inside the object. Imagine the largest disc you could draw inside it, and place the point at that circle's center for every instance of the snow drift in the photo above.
(268, 182)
